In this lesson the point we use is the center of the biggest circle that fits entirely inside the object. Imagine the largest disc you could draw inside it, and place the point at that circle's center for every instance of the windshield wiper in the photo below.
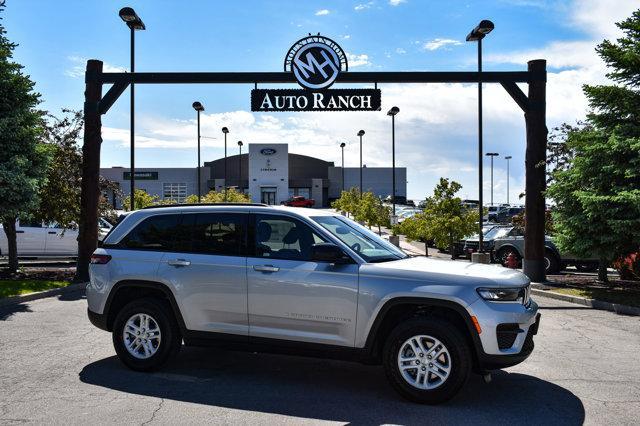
(384, 259)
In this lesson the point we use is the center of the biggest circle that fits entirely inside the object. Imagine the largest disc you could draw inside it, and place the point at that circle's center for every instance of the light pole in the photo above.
(133, 21)
(508, 157)
(198, 107)
(240, 167)
(492, 154)
(342, 145)
(392, 112)
(225, 131)
(361, 133)
(477, 34)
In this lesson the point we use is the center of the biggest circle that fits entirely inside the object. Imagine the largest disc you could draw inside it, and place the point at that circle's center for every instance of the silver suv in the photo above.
(305, 282)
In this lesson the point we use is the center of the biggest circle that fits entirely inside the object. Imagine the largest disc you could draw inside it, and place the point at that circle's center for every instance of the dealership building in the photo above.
(268, 173)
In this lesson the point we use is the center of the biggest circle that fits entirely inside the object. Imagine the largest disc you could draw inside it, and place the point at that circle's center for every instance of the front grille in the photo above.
(506, 334)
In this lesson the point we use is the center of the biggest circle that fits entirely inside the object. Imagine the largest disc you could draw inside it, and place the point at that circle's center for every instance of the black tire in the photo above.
(170, 342)
(451, 337)
(502, 255)
(552, 263)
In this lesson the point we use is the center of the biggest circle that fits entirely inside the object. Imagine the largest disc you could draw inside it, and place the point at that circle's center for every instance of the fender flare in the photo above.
(154, 285)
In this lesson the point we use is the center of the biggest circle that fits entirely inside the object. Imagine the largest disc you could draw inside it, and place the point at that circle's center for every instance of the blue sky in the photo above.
(436, 127)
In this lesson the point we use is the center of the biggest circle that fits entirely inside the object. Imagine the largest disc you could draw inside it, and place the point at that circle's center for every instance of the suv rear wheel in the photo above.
(146, 335)
(427, 360)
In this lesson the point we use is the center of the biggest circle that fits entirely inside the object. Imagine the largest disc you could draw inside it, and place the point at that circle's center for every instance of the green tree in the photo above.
(446, 219)
(142, 199)
(598, 195)
(23, 158)
(60, 195)
(348, 201)
(370, 211)
(213, 197)
(415, 228)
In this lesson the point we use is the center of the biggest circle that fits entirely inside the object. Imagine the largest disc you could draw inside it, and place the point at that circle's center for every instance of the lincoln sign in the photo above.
(315, 62)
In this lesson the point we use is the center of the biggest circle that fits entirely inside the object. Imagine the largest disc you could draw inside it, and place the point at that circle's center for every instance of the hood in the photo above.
(438, 271)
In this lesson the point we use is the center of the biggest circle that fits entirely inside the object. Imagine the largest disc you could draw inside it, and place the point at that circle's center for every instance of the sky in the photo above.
(436, 129)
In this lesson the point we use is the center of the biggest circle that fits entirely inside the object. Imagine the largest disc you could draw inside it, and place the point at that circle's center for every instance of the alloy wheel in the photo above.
(424, 362)
(141, 336)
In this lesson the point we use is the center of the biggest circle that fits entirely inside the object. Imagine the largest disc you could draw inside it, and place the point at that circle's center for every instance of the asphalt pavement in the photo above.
(56, 368)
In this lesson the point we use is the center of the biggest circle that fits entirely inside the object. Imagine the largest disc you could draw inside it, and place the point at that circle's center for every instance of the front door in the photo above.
(31, 238)
(268, 195)
(207, 269)
(292, 297)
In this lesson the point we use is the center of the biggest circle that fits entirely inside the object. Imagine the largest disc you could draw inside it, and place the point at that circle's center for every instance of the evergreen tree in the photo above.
(23, 158)
(598, 194)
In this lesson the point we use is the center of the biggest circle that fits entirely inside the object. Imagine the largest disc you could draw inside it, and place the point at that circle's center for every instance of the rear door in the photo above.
(61, 241)
(31, 238)
(207, 268)
(292, 297)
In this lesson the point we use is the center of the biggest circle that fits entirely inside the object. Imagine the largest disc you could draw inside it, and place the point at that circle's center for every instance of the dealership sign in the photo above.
(315, 62)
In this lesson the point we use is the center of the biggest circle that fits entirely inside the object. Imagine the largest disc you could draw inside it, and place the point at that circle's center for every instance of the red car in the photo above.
(299, 201)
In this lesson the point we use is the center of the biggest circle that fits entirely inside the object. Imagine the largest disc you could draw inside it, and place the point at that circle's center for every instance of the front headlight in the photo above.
(516, 294)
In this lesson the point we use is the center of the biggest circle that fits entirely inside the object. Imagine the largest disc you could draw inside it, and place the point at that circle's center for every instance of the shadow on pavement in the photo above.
(7, 311)
(333, 390)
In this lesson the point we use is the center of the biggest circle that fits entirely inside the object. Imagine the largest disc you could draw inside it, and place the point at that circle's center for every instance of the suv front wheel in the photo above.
(146, 335)
(427, 360)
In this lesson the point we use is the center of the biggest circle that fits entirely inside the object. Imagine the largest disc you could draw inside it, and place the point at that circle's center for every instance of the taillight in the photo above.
(100, 259)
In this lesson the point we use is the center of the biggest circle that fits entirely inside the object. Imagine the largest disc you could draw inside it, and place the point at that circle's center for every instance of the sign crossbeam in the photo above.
(345, 77)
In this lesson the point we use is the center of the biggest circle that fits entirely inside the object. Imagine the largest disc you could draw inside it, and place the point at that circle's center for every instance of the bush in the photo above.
(628, 267)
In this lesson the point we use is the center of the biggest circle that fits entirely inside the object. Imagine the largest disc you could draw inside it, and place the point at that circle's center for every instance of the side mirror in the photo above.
(328, 252)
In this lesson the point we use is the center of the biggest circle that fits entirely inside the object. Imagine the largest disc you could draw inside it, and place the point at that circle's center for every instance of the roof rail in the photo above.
(163, 206)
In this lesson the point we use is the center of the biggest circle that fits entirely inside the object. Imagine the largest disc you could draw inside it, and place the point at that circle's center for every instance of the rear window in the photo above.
(156, 232)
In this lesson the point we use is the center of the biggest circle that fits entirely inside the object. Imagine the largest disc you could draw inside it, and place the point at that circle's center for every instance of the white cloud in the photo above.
(322, 12)
(78, 66)
(437, 43)
(346, 37)
(400, 51)
(358, 60)
(363, 6)
(396, 2)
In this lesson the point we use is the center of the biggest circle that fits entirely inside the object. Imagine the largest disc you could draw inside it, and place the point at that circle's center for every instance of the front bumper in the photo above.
(495, 362)
(522, 321)
(98, 320)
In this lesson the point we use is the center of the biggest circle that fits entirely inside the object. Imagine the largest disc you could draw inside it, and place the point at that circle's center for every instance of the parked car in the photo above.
(489, 234)
(492, 213)
(263, 278)
(555, 261)
(39, 239)
(506, 214)
(299, 201)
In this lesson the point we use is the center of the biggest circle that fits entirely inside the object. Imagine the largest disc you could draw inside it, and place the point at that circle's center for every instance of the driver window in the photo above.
(280, 237)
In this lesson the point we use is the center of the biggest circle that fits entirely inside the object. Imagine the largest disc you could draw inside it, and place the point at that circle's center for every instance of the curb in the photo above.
(42, 294)
(592, 303)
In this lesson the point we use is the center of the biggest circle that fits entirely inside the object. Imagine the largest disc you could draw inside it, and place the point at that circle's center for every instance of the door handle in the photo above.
(179, 262)
(265, 268)
(52, 232)
(19, 232)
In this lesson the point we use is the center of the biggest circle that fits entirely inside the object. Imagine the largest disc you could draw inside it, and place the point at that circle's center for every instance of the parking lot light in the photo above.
(360, 134)
(342, 145)
(199, 108)
(225, 131)
(393, 112)
(240, 167)
(492, 154)
(508, 157)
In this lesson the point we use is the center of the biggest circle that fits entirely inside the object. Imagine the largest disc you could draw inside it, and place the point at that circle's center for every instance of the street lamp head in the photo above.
(508, 157)
(198, 106)
(484, 27)
(393, 111)
(342, 145)
(129, 16)
(492, 154)
(240, 143)
(361, 132)
(225, 130)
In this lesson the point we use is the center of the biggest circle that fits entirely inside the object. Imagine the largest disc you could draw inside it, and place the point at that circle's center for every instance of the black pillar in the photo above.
(89, 187)
(535, 165)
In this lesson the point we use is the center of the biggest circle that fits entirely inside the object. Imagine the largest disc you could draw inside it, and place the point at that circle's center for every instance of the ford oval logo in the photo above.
(267, 151)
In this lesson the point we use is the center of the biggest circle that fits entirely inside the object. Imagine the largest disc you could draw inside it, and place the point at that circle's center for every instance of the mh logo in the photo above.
(316, 62)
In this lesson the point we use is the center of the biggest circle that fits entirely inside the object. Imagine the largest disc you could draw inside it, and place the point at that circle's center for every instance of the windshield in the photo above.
(368, 245)
(497, 233)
